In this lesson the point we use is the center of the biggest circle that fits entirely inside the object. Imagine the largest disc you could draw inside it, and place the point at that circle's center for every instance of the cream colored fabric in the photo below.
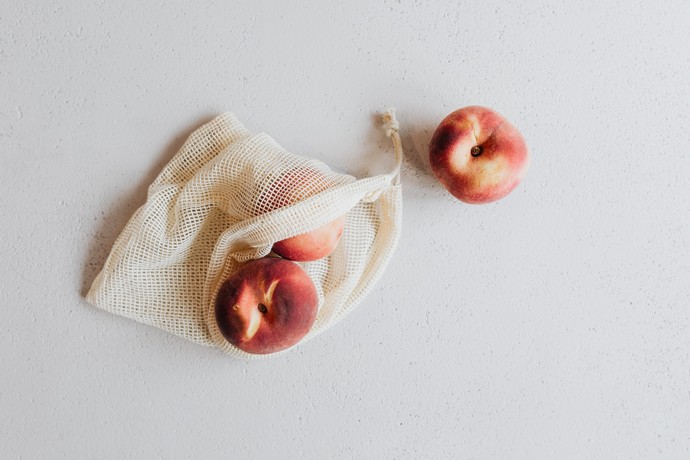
(207, 212)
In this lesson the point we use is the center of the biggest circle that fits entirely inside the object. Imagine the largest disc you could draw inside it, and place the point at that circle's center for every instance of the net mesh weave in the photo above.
(224, 199)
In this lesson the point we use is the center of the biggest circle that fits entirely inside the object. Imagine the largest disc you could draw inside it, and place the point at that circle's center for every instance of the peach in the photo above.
(294, 186)
(312, 245)
(477, 155)
(268, 305)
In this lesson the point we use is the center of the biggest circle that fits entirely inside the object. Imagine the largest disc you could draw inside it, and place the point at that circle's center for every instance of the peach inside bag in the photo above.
(210, 210)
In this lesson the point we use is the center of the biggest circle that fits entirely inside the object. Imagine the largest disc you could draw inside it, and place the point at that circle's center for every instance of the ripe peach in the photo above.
(312, 245)
(477, 155)
(268, 305)
(294, 186)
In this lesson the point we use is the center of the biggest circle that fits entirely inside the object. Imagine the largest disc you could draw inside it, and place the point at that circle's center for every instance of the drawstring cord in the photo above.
(391, 126)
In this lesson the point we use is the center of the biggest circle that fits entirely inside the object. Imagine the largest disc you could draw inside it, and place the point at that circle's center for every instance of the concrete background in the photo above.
(551, 324)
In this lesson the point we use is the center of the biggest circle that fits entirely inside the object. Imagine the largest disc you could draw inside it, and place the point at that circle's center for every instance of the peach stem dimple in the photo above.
(476, 151)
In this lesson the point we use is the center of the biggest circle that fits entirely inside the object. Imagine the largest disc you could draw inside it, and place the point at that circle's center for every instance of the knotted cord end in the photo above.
(390, 123)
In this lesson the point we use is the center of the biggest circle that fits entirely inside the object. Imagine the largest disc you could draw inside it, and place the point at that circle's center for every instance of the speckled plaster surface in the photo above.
(552, 324)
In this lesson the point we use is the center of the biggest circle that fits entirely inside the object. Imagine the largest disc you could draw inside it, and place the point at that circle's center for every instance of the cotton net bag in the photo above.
(208, 212)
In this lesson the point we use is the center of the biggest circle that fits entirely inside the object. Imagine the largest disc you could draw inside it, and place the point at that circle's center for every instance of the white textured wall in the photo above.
(552, 324)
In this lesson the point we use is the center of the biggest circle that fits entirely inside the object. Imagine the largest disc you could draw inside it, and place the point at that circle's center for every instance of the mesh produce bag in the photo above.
(213, 207)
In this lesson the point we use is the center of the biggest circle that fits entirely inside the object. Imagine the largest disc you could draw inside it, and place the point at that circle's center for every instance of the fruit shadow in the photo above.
(114, 219)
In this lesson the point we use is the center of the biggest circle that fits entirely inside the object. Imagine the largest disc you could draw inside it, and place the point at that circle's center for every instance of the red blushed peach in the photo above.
(294, 186)
(313, 245)
(477, 155)
(268, 305)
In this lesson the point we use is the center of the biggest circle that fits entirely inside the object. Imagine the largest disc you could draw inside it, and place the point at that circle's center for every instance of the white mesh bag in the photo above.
(207, 212)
